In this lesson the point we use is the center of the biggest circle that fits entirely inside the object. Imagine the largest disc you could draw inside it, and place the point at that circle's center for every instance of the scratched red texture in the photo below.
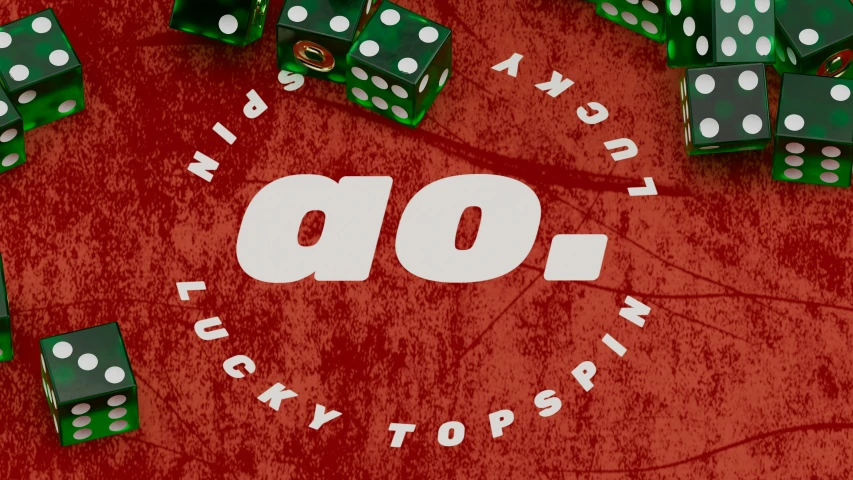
(742, 370)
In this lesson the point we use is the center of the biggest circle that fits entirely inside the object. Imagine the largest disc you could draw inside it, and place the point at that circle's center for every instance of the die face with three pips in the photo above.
(399, 64)
(39, 70)
(237, 22)
(314, 37)
(89, 384)
(12, 152)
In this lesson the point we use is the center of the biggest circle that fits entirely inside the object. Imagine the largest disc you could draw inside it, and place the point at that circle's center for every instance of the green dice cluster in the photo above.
(42, 79)
(724, 44)
(237, 22)
(393, 61)
(89, 385)
(6, 352)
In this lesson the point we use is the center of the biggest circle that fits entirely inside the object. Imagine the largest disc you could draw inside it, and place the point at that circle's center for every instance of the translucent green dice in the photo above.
(814, 131)
(237, 22)
(89, 385)
(314, 36)
(39, 70)
(399, 64)
(815, 37)
(6, 352)
(11, 135)
(720, 32)
(725, 109)
(645, 17)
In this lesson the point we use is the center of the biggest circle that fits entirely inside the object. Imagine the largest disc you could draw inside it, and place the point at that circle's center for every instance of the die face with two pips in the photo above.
(399, 64)
(89, 384)
(39, 70)
(237, 22)
(6, 352)
(12, 152)
(314, 37)
(814, 131)
(725, 109)
(720, 32)
(815, 37)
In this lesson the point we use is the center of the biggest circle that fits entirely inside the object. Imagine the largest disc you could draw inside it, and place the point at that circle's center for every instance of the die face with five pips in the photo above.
(89, 384)
(39, 70)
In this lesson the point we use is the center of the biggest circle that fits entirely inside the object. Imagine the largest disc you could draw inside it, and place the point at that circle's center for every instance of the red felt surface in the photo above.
(742, 370)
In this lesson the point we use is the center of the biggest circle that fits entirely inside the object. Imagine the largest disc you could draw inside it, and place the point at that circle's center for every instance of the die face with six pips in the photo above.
(89, 384)
(39, 70)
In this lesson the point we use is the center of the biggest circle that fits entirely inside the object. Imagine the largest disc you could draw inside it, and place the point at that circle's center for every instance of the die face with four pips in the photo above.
(6, 352)
(720, 32)
(89, 385)
(399, 64)
(314, 37)
(237, 22)
(645, 17)
(814, 130)
(815, 37)
(39, 70)
(725, 109)
(12, 152)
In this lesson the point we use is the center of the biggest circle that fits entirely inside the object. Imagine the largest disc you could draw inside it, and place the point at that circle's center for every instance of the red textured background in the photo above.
(742, 370)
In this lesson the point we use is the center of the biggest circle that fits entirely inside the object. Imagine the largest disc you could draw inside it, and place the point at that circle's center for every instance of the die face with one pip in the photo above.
(720, 32)
(11, 135)
(814, 131)
(645, 17)
(399, 64)
(314, 37)
(6, 352)
(89, 385)
(39, 70)
(725, 109)
(815, 37)
(237, 22)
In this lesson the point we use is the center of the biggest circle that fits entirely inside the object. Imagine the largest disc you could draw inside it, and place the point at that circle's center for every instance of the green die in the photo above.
(39, 70)
(814, 131)
(644, 17)
(89, 385)
(315, 36)
(720, 32)
(238, 22)
(11, 136)
(399, 64)
(815, 37)
(6, 352)
(725, 109)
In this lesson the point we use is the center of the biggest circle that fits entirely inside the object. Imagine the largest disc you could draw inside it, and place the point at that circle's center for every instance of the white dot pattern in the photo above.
(80, 408)
(705, 84)
(424, 83)
(297, 14)
(19, 73)
(379, 103)
(400, 91)
(62, 350)
(369, 48)
(5, 40)
(118, 426)
(407, 65)
(87, 362)
(689, 26)
(58, 58)
(359, 73)
(831, 152)
(429, 34)
(390, 17)
(359, 94)
(117, 413)
(27, 97)
(840, 93)
(10, 160)
(400, 112)
(81, 422)
(42, 25)
(339, 24)
(7, 137)
(3, 108)
(82, 434)
(675, 7)
(114, 375)
(795, 123)
(709, 128)
(67, 106)
(116, 400)
(809, 37)
(748, 80)
(379, 82)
